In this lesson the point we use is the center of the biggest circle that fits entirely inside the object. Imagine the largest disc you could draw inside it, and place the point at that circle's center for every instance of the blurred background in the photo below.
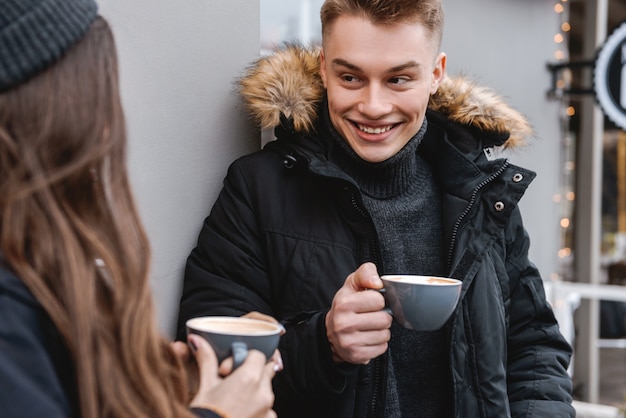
(562, 63)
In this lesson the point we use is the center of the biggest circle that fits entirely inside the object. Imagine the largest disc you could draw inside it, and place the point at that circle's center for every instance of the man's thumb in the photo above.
(366, 277)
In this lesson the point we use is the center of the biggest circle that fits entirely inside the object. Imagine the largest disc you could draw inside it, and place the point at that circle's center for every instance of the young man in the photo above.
(380, 167)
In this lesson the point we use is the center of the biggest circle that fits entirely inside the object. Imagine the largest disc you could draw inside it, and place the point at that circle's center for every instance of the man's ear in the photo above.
(439, 71)
(323, 68)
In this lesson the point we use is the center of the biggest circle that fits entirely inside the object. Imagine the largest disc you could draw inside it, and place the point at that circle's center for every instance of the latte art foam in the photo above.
(237, 326)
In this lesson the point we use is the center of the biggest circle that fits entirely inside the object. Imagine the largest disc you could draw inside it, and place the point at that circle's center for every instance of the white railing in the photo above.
(589, 291)
(565, 298)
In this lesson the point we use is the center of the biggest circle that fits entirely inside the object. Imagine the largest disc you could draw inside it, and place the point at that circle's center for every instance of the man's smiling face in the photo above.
(378, 81)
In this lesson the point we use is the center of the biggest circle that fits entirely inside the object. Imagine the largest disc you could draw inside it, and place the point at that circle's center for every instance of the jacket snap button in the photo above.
(499, 206)
(517, 177)
(289, 161)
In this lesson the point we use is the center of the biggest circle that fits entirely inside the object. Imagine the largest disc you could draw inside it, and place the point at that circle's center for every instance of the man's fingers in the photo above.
(361, 349)
(263, 317)
(355, 322)
(366, 354)
(373, 321)
(359, 302)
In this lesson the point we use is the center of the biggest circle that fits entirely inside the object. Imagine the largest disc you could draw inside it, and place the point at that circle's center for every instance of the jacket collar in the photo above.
(286, 85)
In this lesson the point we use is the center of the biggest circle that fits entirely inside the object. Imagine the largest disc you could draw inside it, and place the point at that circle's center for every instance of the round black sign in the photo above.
(609, 79)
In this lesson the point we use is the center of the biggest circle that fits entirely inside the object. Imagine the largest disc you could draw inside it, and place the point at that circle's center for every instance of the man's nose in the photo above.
(375, 102)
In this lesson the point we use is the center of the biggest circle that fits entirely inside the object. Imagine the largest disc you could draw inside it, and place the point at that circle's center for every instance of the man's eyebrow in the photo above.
(344, 63)
(406, 65)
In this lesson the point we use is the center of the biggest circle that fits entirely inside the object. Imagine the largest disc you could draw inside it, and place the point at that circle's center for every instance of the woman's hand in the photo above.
(246, 392)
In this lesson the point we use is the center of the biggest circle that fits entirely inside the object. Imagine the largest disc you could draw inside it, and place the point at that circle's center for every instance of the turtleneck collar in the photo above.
(392, 177)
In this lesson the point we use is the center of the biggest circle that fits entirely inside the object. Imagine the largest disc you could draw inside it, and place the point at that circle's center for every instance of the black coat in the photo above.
(36, 370)
(289, 226)
(37, 373)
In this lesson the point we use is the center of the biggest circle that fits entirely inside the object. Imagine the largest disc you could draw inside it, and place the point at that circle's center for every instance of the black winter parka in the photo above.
(289, 226)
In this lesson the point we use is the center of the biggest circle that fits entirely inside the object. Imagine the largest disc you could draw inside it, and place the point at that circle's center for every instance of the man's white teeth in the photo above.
(378, 130)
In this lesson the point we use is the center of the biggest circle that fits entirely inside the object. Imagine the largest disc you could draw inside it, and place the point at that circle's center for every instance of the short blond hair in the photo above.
(387, 12)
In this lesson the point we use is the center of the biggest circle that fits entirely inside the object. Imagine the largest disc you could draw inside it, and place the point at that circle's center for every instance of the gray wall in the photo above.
(178, 61)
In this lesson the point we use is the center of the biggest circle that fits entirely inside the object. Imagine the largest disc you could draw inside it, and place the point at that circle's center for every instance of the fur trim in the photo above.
(469, 104)
(288, 82)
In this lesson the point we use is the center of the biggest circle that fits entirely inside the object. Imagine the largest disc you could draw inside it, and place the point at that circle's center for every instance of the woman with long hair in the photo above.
(78, 335)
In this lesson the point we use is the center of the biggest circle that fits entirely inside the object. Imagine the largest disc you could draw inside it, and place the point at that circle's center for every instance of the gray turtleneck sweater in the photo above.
(405, 204)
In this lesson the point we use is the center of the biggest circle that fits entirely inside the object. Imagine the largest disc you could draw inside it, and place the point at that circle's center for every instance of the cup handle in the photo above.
(387, 309)
(240, 352)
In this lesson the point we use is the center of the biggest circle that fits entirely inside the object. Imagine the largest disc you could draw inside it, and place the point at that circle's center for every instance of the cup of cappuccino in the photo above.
(234, 336)
(421, 303)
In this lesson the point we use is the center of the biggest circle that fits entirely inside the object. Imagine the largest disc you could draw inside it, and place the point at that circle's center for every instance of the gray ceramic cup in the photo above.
(234, 336)
(421, 303)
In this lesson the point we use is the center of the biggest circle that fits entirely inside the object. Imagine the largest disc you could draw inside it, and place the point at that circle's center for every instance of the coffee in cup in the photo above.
(421, 303)
(234, 336)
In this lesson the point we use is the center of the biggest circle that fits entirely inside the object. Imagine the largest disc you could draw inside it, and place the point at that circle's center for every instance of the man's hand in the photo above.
(356, 325)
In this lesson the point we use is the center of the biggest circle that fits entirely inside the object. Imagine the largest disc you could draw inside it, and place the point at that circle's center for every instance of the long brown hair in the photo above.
(70, 230)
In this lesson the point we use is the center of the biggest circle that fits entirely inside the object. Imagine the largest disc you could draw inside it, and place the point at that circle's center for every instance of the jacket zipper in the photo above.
(372, 242)
(458, 222)
(373, 246)
(375, 255)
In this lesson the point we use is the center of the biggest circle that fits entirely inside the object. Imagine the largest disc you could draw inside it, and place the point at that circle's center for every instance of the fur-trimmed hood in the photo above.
(288, 82)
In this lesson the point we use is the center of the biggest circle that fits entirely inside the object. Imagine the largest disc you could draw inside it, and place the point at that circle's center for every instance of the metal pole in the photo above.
(589, 212)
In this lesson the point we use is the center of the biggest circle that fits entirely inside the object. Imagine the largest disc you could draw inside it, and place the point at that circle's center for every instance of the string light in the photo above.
(565, 252)
(566, 197)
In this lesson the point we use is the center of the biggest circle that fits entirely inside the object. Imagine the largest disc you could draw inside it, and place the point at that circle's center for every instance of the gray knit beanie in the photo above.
(36, 33)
